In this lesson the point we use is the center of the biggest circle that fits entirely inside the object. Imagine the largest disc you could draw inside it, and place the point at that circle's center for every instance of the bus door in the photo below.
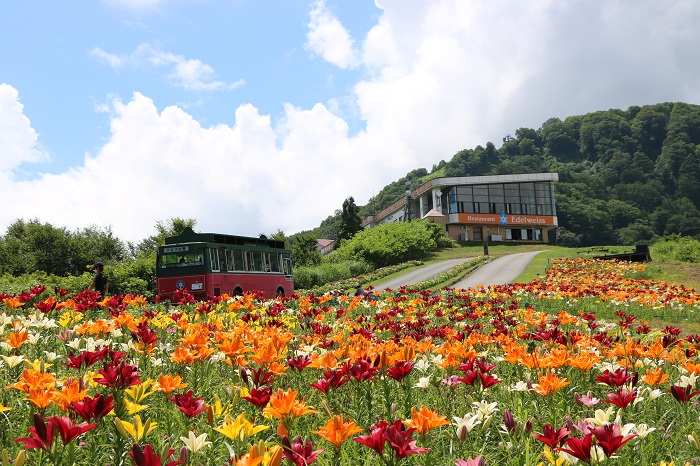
(287, 264)
(215, 264)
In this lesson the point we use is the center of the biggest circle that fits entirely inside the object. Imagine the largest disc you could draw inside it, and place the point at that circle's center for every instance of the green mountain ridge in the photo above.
(625, 176)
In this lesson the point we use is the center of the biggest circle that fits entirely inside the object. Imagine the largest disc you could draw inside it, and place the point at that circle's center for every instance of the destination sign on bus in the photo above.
(175, 249)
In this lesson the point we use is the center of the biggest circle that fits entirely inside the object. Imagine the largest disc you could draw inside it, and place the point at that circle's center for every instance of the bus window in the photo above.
(274, 261)
(238, 260)
(214, 260)
(249, 263)
(258, 260)
(287, 261)
(230, 263)
(181, 259)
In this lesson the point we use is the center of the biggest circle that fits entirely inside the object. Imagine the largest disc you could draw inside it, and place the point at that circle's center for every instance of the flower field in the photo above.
(562, 370)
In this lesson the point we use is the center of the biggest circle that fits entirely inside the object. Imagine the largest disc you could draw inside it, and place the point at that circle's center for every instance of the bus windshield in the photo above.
(181, 257)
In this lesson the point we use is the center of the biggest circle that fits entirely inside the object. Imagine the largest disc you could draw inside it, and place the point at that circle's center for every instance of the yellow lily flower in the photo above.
(239, 428)
(37, 365)
(551, 460)
(139, 392)
(133, 408)
(136, 430)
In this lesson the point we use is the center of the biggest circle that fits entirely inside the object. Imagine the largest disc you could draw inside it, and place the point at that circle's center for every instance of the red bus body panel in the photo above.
(208, 285)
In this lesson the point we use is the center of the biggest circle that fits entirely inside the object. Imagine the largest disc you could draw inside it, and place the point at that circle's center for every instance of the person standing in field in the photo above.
(99, 283)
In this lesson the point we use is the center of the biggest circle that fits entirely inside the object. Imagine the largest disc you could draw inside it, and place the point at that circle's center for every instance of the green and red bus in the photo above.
(210, 264)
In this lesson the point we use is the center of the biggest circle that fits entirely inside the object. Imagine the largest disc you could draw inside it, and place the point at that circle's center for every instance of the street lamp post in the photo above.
(407, 209)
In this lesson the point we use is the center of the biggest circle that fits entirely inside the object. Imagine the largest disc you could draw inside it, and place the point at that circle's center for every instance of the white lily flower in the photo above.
(422, 365)
(423, 382)
(602, 417)
(520, 386)
(194, 443)
(689, 379)
(465, 425)
(483, 409)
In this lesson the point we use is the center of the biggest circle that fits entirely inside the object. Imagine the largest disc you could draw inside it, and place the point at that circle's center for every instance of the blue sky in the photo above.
(256, 116)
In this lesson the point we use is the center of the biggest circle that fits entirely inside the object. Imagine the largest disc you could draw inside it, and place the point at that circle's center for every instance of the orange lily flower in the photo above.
(284, 404)
(424, 420)
(337, 430)
(31, 378)
(325, 361)
(584, 361)
(549, 384)
(259, 454)
(42, 397)
(556, 358)
(13, 302)
(169, 383)
(654, 377)
(182, 355)
(17, 338)
(73, 390)
(692, 367)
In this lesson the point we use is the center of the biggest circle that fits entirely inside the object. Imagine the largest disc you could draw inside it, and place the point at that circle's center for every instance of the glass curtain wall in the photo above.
(511, 198)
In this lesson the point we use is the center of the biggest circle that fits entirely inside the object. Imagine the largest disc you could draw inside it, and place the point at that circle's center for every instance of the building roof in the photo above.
(433, 213)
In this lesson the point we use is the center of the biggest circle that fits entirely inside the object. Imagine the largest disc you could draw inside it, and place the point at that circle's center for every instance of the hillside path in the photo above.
(420, 274)
(499, 271)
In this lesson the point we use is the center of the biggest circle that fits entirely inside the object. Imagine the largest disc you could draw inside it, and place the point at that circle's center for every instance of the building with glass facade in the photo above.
(517, 208)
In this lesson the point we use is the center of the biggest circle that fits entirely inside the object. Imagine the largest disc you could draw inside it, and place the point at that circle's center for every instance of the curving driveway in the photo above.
(420, 274)
(499, 271)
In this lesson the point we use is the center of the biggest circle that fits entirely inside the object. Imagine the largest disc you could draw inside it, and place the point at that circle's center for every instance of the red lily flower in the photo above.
(67, 429)
(87, 358)
(60, 291)
(580, 448)
(683, 394)
(488, 380)
(400, 440)
(41, 435)
(618, 378)
(622, 398)
(375, 440)
(299, 453)
(300, 362)
(147, 457)
(400, 370)
(188, 404)
(93, 408)
(331, 379)
(259, 396)
(610, 438)
(469, 377)
(261, 377)
(550, 437)
(363, 369)
(119, 375)
(47, 305)
(144, 334)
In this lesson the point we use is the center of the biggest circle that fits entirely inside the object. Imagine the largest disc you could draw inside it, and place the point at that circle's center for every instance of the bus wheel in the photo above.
(238, 291)
(280, 292)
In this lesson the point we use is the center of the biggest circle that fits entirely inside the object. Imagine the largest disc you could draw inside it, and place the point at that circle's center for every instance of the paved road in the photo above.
(420, 274)
(499, 271)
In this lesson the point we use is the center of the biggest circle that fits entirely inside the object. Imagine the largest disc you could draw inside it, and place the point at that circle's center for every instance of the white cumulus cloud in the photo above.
(329, 39)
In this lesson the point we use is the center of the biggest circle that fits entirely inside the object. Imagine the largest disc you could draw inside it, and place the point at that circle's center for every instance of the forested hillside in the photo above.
(625, 176)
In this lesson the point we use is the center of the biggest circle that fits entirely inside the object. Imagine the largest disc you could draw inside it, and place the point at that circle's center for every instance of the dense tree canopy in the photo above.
(625, 176)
